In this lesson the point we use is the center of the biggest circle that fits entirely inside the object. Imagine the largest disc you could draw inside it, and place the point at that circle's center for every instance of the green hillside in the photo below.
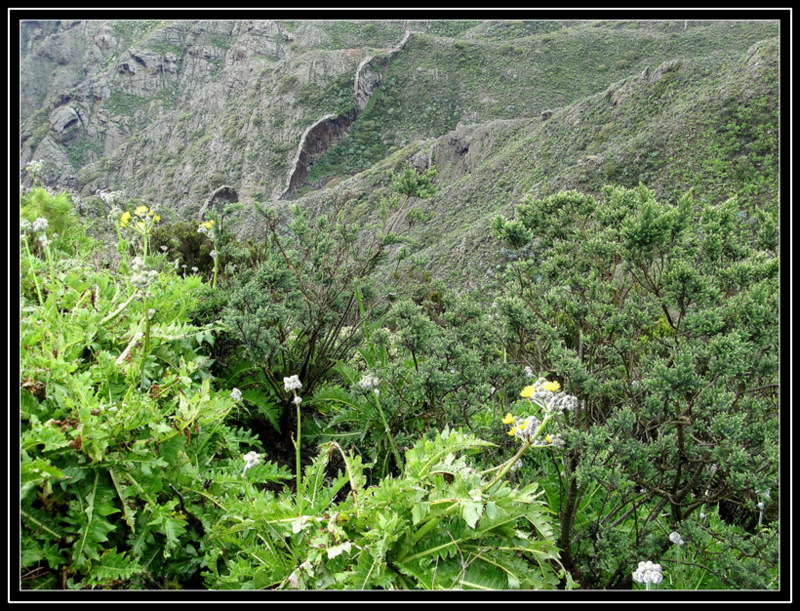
(392, 305)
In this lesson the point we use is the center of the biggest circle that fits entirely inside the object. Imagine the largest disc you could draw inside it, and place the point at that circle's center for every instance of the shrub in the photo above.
(663, 318)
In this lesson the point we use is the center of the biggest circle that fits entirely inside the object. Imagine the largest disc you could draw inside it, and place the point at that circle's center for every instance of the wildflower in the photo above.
(40, 225)
(236, 394)
(527, 392)
(33, 167)
(648, 573)
(369, 382)
(24, 226)
(297, 400)
(251, 459)
(125, 219)
(552, 386)
(291, 383)
(509, 419)
(528, 371)
(524, 428)
(676, 538)
(141, 277)
(194, 269)
(164, 249)
(141, 211)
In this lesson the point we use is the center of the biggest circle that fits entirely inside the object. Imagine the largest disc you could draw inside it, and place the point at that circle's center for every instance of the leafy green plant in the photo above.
(122, 433)
(440, 525)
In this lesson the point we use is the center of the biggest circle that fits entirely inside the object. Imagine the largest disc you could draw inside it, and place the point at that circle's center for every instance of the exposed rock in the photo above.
(367, 81)
(460, 151)
(314, 142)
(223, 195)
(63, 118)
(668, 66)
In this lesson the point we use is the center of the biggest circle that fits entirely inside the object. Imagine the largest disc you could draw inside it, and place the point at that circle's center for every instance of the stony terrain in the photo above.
(180, 113)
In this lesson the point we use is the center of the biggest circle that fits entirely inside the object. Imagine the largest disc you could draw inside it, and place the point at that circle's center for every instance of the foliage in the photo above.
(661, 317)
(122, 432)
(58, 208)
(154, 428)
(440, 525)
(303, 308)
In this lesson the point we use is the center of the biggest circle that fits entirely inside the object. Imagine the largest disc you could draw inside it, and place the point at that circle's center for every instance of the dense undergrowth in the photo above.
(205, 413)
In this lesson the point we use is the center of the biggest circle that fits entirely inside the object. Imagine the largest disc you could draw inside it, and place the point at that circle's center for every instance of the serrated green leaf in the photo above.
(471, 512)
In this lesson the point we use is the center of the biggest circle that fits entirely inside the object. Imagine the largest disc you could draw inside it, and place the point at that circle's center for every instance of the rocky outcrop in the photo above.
(461, 151)
(368, 76)
(221, 196)
(315, 142)
(319, 137)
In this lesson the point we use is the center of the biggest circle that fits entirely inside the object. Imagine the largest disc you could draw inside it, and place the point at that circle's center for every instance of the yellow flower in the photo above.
(548, 439)
(512, 431)
(140, 225)
(156, 218)
(125, 218)
(140, 211)
(509, 419)
(527, 391)
(552, 386)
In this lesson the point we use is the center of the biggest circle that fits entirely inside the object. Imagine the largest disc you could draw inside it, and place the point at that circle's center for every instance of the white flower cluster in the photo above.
(40, 225)
(545, 393)
(236, 394)
(648, 573)
(291, 383)
(524, 428)
(109, 197)
(251, 459)
(369, 382)
(141, 276)
(551, 440)
(34, 167)
(676, 538)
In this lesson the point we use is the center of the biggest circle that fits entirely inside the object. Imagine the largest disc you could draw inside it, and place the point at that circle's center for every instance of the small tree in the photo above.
(664, 318)
(303, 309)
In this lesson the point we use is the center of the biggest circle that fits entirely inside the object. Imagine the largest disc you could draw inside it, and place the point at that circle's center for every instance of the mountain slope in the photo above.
(170, 112)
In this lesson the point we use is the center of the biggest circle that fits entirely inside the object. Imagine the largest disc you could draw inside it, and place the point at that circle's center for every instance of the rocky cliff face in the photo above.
(169, 111)
(190, 114)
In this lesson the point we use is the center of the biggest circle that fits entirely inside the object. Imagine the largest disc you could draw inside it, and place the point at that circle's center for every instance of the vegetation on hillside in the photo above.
(279, 416)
